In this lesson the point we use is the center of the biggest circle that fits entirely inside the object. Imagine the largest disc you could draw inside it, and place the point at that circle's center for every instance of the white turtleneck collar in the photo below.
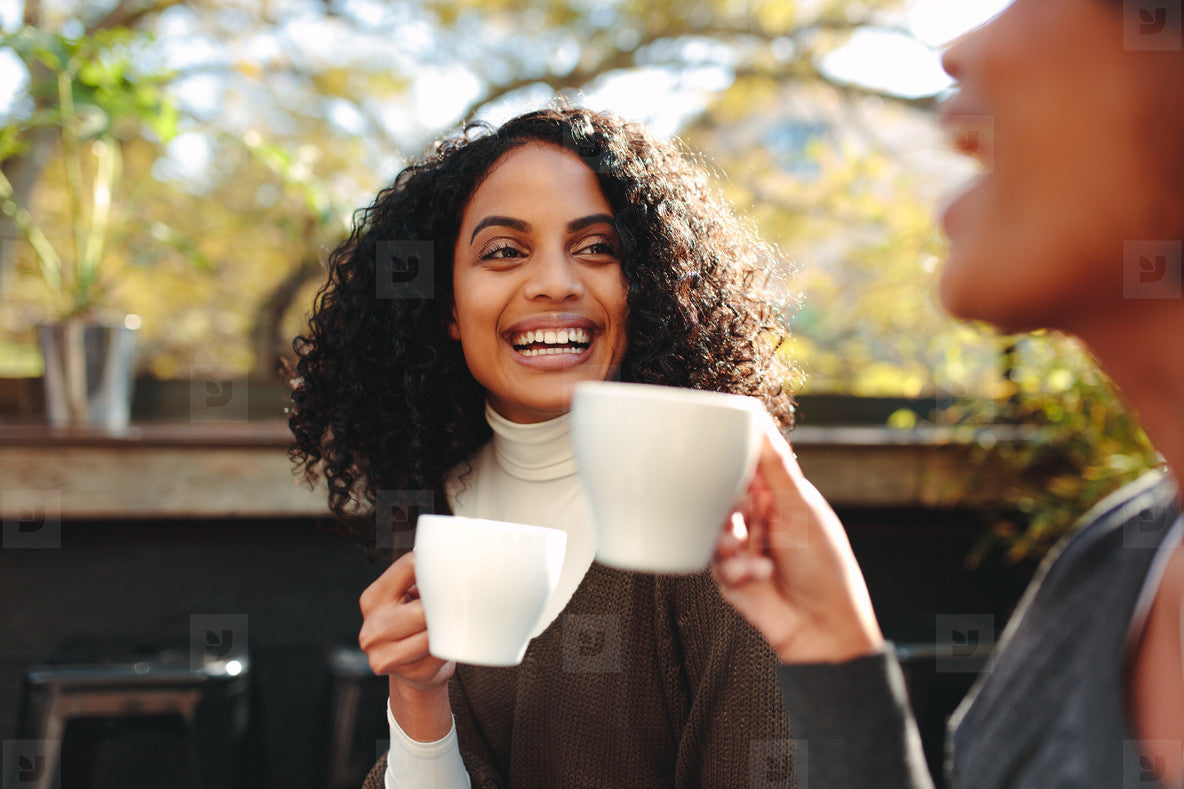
(527, 474)
(534, 452)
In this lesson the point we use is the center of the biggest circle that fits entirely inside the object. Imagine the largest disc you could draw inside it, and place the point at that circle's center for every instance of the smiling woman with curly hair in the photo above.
(495, 272)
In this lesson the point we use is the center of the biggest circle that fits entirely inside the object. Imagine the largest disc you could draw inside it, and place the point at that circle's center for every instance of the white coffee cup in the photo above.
(662, 467)
(484, 584)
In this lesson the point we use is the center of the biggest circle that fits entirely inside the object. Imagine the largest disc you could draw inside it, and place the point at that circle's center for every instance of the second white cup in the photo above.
(484, 584)
(662, 468)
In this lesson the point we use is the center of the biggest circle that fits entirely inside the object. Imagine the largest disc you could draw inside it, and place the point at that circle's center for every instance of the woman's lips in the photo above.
(553, 357)
(956, 205)
(970, 131)
(552, 337)
(552, 341)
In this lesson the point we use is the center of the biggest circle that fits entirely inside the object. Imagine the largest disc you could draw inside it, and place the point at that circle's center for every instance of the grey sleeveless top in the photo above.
(1049, 710)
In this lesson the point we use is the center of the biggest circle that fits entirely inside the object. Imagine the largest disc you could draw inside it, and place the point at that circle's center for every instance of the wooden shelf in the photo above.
(156, 470)
(241, 470)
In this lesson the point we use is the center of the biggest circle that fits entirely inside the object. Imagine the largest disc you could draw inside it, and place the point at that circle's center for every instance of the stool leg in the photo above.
(343, 733)
(53, 729)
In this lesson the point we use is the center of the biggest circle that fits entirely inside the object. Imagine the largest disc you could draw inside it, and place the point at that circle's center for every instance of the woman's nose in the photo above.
(951, 58)
(554, 276)
(960, 52)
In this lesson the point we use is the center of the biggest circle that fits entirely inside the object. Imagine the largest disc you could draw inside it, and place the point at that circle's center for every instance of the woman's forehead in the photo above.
(537, 179)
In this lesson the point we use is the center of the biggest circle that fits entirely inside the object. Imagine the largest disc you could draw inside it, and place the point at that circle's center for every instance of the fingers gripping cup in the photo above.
(484, 584)
(662, 468)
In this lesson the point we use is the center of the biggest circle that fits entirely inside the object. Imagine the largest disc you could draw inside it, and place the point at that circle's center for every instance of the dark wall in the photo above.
(943, 617)
(121, 586)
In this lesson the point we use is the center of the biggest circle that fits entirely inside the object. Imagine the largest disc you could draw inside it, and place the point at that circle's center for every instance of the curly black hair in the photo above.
(383, 399)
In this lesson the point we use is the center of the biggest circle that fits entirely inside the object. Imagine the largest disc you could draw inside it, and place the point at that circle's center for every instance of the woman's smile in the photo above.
(553, 341)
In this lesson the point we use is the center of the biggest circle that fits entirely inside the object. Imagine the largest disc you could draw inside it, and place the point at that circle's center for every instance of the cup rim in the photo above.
(629, 390)
(494, 525)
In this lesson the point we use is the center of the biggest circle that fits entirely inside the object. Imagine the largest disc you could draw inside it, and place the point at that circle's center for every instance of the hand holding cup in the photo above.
(784, 562)
(394, 636)
(394, 632)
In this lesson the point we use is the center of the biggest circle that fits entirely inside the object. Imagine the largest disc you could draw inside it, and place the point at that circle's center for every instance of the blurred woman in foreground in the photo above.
(1075, 108)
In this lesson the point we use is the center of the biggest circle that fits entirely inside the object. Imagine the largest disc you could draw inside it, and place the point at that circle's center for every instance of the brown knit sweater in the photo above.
(642, 681)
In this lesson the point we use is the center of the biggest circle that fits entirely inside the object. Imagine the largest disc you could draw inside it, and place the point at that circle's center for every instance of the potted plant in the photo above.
(88, 96)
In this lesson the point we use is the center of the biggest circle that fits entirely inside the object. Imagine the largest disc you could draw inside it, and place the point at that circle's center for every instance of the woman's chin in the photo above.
(954, 295)
(544, 402)
(965, 295)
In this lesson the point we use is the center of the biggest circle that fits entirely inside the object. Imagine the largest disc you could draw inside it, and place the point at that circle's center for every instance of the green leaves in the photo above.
(95, 94)
(108, 82)
(1079, 443)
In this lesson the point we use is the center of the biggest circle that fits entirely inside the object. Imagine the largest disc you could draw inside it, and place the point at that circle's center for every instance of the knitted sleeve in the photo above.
(855, 721)
(475, 749)
(723, 678)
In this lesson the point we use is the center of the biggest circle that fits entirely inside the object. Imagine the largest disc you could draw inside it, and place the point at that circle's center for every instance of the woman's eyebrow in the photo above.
(502, 221)
(523, 227)
(585, 221)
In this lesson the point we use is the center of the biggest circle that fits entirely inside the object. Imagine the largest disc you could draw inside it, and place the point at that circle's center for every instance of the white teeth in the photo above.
(550, 351)
(553, 337)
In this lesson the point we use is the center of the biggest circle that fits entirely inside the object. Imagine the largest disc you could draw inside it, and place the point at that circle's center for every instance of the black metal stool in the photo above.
(357, 724)
(190, 720)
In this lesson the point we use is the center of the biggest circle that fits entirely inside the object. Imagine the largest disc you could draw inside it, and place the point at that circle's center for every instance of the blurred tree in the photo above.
(292, 111)
(95, 102)
(24, 159)
(246, 72)
(1072, 442)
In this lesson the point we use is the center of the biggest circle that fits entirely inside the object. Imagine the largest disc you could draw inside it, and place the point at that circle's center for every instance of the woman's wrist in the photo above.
(423, 715)
(832, 645)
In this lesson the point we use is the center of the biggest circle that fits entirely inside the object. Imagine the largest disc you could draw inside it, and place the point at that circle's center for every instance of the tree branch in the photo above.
(267, 340)
(129, 14)
(800, 67)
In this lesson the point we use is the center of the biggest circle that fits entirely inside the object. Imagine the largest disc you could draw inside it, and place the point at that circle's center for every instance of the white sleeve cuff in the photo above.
(423, 765)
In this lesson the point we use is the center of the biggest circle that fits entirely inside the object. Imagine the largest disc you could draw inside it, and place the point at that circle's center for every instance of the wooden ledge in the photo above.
(241, 470)
(272, 433)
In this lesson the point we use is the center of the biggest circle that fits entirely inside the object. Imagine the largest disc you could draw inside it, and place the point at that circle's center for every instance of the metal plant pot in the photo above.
(88, 373)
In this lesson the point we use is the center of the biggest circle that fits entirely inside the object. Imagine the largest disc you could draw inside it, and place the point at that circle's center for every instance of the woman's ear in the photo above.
(453, 329)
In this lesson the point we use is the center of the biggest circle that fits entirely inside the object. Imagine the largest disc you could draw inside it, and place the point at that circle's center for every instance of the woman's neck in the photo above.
(1142, 350)
(533, 451)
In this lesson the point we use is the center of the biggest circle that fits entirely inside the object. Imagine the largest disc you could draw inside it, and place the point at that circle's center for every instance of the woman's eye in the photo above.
(502, 252)
(598, 247)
